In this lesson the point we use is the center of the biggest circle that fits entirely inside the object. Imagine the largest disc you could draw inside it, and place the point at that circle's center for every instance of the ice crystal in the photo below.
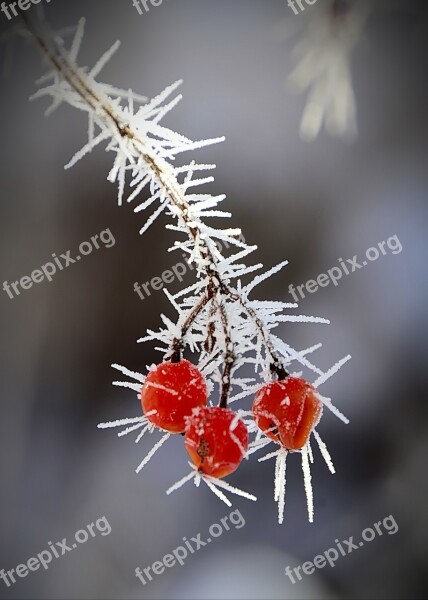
(280, 455)
(322, 67)
(136, 423)
(217, 317)
(213, 484)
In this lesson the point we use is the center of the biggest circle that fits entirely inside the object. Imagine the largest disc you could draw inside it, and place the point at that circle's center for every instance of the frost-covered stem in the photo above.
(210, 339)
(229, 357)
(166, 179)
(229, 354)
(276, 364)
(177, 344)
(71, 74)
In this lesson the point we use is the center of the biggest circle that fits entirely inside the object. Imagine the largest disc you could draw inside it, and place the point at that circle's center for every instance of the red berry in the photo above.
(170, 392)
(216, 440)
(287, 411)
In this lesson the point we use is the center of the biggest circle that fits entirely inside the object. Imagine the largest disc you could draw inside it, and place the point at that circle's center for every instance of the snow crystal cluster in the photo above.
(322, 67)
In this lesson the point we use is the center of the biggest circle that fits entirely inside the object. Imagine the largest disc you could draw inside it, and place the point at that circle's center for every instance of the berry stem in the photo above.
(279, 371)
(229, 357)
(276, 363)
(176, 355)
(178, 343)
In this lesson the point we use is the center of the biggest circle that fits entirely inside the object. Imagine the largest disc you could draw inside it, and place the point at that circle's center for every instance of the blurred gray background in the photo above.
(312, 203)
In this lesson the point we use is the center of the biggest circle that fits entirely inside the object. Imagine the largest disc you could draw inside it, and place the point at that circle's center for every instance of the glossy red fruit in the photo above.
(216, 440)
(287, 411)
(170, 393)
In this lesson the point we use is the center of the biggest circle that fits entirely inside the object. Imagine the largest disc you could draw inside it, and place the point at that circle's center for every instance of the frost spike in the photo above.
(125, 384)
(152, 452)
(99, 66)
(281, 483)
(132, 374)
(332, 371)
(257, 280)
(217, 492)
(119, 423)
(325, 453)
(307, 478)
(180, 483)
(230, 488)
(130, 429)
